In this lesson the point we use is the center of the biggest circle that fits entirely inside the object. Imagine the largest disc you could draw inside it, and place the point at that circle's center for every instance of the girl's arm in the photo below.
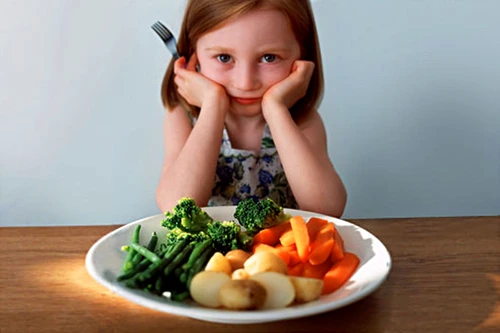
(191, 153)
(302, 147)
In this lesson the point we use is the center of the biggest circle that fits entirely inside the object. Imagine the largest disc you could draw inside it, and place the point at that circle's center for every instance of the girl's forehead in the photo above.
(260, 25)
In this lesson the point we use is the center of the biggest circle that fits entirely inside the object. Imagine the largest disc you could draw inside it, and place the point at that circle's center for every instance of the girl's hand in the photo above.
(195, 88)
(288, 91)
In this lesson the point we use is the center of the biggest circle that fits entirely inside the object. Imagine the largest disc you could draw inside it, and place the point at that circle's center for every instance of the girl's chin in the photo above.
(246, 110)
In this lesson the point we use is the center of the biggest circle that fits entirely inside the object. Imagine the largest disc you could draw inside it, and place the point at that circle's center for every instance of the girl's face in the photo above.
(247, 56)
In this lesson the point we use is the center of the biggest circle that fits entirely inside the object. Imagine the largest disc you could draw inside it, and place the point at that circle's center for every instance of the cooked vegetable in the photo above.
(287, 238)
(338, 247)
(265, 261)
(187, 216)
(313, 226)
(237, 258)
(242, 295)
(197, 251)
(227, 236)
(340, 272)
(301, 236)
(128, 265)
(271, 236)
(255, 215)
(205, 286)
(322, 245)
(279, 288)
(277, 251)
(306, 289)
(176, 235)
(240, 274)
(219, 263)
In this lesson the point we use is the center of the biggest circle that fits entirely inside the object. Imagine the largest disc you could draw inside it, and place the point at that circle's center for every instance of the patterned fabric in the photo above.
(243, 174)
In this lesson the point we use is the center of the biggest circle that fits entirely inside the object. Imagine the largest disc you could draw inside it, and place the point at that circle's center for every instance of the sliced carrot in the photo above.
(322, 245)
(287, 238)
(296, 270)
(316, 271)
(271, 236)
(294, 257)
(313, 226)
(301, 236)
(340, 272)
(338, 247)
(286, 248)
(284, 255)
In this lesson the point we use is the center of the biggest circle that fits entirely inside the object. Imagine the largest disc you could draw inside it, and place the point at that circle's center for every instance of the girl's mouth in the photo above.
(246, 100)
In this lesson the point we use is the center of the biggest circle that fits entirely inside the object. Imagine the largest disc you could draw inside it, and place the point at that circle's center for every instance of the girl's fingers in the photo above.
(179, 64)
(191, 65)
(178, 80)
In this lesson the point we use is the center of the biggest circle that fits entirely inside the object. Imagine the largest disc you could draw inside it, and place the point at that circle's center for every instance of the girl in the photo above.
(242, 116)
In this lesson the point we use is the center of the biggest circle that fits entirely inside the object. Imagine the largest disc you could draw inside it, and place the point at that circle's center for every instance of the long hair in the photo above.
(202, 16)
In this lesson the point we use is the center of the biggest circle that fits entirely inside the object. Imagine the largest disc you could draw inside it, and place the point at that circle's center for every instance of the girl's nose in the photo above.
(246, 78)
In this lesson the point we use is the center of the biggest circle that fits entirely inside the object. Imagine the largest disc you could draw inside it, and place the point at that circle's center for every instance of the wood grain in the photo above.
(445, 278)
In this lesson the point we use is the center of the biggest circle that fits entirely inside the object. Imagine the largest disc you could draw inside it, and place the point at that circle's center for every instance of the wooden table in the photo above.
(445, 278)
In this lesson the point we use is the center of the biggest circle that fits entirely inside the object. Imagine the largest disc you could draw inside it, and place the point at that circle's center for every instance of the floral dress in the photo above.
(244, 174)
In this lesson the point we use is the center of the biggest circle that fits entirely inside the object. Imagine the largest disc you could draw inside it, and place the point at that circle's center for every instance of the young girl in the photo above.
(242, 116)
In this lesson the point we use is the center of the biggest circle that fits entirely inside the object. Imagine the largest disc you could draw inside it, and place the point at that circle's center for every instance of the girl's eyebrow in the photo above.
(220, 49)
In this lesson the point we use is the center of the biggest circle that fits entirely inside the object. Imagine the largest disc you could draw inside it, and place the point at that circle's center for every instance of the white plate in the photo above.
(105, 258)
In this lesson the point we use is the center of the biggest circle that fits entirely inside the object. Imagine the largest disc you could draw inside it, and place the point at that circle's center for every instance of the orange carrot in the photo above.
(294, 257)
(322, 245)
(301, 236)
(313, 226)
(271, 236)
(338, 247)
(287, 238)
(296, 270)
(340, 272)
(285, 256)
(316, 271)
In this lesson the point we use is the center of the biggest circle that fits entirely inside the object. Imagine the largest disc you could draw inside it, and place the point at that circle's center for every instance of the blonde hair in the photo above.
(202, 16)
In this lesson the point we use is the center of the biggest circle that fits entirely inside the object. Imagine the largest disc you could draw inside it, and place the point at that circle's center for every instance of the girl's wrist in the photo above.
(271, 108)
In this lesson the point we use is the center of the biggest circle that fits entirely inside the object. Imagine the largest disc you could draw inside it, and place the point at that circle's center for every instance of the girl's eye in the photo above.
(224, 58)
(269, 58)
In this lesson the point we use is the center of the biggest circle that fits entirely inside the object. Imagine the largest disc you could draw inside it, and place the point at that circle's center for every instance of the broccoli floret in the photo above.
(187, 216)
(245, 241)
(227, 236)
(255, 215)
(176, 235)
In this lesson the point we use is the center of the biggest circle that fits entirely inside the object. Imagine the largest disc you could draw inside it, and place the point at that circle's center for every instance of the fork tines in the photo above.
(162, 31)
(167, 37)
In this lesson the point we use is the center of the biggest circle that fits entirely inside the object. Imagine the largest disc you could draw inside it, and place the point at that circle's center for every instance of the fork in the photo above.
(167, 37)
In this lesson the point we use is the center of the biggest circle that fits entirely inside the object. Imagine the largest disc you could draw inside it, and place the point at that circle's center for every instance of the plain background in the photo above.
(411, 106)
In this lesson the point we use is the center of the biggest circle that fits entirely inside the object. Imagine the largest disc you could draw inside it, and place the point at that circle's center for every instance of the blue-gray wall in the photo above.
(412, 107)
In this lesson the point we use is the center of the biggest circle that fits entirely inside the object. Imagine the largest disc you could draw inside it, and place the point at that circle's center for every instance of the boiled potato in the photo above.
(219, 263)
(242, 295)
(306, 289)
(265, 262)
(279, 288)
(205, 287)
(237, 258)
(240, 274)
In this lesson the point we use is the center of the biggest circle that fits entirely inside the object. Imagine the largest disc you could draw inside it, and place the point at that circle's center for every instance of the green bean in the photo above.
(198, 249)
(178, 259)
(199, 264)
(157, 267)
(145, 263)
(153, 257)
(179, 296)
(127, 265)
